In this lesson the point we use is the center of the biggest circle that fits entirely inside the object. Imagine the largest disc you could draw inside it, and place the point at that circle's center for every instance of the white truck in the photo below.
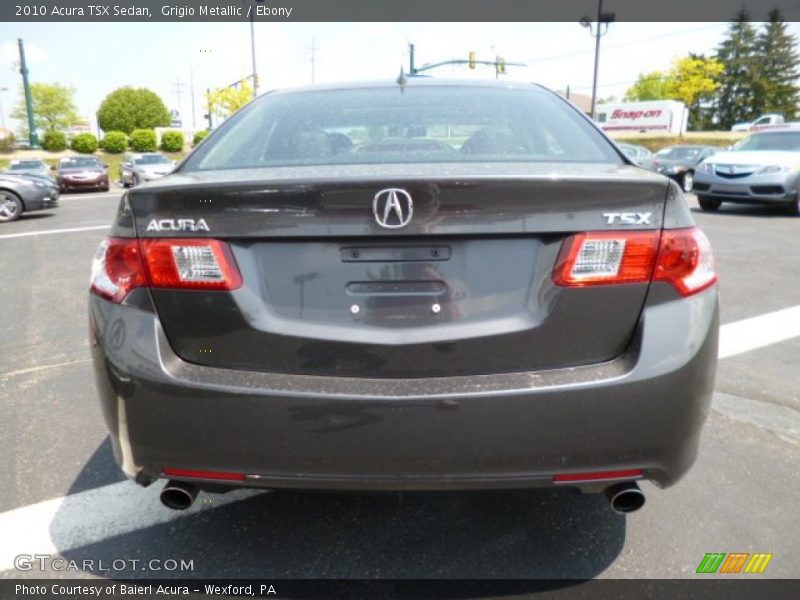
(669, 117)
(771, 121)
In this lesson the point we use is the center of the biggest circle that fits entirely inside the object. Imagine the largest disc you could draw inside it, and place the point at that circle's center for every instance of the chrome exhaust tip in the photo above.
(178, 495)
(625, 497)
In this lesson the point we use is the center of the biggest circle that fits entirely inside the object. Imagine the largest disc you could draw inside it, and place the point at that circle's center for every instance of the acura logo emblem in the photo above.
(393, 208)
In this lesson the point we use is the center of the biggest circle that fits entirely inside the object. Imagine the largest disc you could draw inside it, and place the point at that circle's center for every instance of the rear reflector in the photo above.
(122, 264)
(681, 257)
(598, 476)
(685, 260)
(221, 475)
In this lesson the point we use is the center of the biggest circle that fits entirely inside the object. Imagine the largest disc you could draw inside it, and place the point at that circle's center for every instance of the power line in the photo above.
(622, 44)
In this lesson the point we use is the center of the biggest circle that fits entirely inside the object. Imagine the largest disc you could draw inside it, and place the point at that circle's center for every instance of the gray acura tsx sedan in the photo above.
(411, 285)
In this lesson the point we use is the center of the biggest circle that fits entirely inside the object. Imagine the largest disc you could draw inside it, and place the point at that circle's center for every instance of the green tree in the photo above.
(127, 108)
(649, 86)
(693, 80)
(735, 99)
(53, 108)
(776, 69)
(227, 100)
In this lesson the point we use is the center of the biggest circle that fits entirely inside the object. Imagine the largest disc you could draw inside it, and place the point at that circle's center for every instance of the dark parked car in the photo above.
(24, 193)
(423, 285)
(82, 173)
(679, 162)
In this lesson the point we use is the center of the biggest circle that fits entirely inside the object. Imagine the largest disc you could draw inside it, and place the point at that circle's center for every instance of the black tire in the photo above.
(135, 180)
(687, 181)
(11, 206)
(708, 203)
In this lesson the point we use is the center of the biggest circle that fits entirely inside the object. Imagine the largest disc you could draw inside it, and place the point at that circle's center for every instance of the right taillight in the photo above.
(681, 257)
(122, 264)
(685, 260)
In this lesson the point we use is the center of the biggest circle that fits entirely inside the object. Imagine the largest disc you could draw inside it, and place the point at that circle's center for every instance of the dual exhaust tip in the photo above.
(623, 498)
(178, 495)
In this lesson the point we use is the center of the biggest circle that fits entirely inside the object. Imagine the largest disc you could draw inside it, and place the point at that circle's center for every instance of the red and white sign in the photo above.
(665, 116)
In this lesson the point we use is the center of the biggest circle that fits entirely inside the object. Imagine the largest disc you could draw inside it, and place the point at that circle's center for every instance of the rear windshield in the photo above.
(403, 125)
(771, 141)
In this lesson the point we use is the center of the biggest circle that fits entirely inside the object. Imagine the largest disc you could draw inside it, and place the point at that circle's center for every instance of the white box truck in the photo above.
(669, 117)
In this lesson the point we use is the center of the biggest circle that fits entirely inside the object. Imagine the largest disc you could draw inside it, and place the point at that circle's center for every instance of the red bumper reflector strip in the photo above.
(598, 475)
(170, 472)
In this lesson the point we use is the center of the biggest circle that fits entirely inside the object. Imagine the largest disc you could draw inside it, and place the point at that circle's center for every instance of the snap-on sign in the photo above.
(636, 114)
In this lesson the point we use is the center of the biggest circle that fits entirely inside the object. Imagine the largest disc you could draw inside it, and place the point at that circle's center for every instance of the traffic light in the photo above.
(471, 60)
(501, 65)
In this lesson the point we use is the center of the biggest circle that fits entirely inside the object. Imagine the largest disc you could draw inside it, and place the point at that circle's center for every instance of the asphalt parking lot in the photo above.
(62, 493)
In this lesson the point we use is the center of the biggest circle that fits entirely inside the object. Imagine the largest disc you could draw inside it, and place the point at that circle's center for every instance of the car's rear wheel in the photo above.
(10, 206)
(708, 203)
(687, 181)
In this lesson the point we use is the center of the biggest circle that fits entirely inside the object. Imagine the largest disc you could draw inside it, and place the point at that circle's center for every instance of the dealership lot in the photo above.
(63, 494)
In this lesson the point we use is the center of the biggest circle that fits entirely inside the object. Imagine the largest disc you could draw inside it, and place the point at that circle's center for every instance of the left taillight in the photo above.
(122, 264)
(117, 269)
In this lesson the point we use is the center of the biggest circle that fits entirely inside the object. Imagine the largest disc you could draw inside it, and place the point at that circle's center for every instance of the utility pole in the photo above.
(2, 113)
(598, 31)
(208, 104)
(411, 68)
(313, 59)
(177, 88)
(253, 55)
(33, 139)
(191, 91)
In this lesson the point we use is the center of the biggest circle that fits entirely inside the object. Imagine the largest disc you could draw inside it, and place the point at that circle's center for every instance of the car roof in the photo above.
(410, 81)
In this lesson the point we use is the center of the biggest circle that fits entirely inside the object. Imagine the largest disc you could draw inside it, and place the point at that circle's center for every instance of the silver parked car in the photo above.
(638, 154)
(761, 169)
(146, 166)
(30, 167)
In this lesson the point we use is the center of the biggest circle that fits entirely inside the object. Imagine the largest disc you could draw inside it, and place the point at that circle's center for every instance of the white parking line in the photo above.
(88, 196)
(61, 524)
(51, 231)
(748, 334)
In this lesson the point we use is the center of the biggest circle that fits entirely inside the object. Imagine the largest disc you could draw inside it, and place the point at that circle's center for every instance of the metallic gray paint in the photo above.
(643, 409)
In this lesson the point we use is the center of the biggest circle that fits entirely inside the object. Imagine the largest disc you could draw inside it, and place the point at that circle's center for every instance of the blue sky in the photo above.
(96, 58)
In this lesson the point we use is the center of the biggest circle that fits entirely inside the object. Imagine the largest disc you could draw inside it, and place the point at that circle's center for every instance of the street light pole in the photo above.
(598, 32)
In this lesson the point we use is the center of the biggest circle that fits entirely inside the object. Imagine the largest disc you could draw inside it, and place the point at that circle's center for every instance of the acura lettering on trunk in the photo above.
(413, 285)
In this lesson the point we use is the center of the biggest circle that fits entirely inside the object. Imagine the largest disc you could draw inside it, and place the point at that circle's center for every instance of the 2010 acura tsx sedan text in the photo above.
(412, 285)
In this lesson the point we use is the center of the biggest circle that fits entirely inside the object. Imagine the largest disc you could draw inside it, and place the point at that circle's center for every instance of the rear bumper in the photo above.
(644, 409)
